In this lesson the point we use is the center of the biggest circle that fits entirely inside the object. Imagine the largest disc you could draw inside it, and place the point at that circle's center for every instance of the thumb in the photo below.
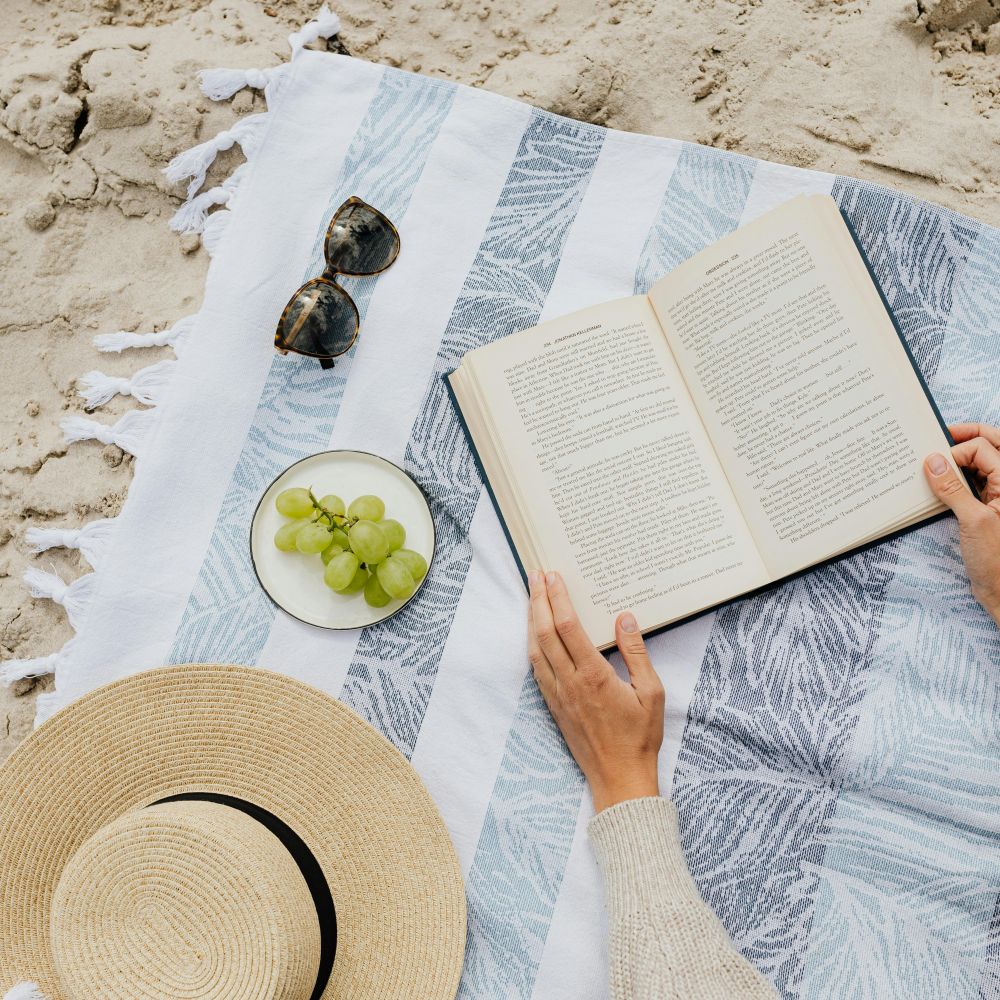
(633, 649)
(949, 488)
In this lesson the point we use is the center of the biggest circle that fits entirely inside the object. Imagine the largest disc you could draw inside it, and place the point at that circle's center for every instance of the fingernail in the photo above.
(551, 579)
(629, 624)
(534, 580)
(937, 464)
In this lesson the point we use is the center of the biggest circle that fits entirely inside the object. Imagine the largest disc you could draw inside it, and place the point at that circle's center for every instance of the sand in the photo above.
(97, 95)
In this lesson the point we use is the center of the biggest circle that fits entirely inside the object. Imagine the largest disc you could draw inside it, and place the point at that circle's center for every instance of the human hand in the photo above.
(613, 729)
(978, 449)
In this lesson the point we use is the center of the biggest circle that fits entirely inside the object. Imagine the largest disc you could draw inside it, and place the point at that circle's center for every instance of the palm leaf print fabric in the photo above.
(837, 755)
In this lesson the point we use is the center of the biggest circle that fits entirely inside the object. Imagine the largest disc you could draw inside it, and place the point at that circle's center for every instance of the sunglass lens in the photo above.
(320, 320)
(361, 240)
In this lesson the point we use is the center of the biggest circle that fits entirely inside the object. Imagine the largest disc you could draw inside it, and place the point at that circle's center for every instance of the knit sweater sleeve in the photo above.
(664, 941)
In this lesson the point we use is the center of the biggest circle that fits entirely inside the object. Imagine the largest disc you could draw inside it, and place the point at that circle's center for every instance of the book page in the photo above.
(603, 469)
(806, 391)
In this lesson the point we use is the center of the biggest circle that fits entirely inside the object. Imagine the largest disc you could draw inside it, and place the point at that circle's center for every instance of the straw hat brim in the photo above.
(275, 742)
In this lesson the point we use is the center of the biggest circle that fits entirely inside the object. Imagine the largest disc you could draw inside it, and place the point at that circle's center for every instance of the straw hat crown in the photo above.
(197, 897)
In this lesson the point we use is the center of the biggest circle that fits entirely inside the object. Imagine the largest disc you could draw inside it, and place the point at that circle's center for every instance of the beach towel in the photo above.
(832, 745)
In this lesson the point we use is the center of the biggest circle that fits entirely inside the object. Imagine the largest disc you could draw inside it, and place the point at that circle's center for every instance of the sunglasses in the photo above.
(321, 319)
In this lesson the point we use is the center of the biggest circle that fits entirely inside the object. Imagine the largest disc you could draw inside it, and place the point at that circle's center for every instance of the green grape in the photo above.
(395, 533)
(312, 538)
(332, 504)
(340, 571)
(368, 542)
(358, 583)
(284, 537)
(338, 543)
(396, 580)
(294, 502)
(367, 508)
(374, 594)
(413, 561)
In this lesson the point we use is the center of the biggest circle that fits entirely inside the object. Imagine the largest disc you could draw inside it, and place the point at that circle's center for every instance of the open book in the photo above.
(756, 414)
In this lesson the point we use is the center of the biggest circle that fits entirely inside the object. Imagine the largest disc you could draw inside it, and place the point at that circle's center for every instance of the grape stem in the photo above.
(335, 520)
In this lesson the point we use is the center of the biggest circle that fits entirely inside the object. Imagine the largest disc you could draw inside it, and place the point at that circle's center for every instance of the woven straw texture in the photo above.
(73, 847)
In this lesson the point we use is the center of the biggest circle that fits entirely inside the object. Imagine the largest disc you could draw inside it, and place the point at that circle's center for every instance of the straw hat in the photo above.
(222, 832)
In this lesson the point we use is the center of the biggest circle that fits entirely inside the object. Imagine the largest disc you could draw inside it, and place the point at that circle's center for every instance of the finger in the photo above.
(644, 678)
(567, 623)
(950, 488)
(977, 453)
(965, 432)
(545, 629)
(540, 665)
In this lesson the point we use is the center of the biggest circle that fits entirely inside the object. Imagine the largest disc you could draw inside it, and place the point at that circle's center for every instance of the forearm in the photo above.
(664, 940)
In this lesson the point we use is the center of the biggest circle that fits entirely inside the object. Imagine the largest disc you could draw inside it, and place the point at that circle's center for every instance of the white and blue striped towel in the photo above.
(833, 746)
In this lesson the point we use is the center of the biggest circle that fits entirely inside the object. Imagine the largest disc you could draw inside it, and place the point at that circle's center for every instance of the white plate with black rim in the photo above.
(294, 580)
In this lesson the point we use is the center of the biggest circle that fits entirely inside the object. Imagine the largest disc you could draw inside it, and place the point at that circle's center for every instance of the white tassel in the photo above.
(121, 340)
(12, 671)
(129, 433)
(194, 162)
(25, 991)
(91, 540)
(74, 596)
(326, 24)
(191, 216)
(221, 84)
(146, 385)
(215, 226)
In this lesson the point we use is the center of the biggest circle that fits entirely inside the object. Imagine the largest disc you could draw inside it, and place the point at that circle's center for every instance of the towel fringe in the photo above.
(191, 216)
(122, 340)
(74, 597)
(194, 162)
(146, 385)
(221, 84)
(129, 433)
(12, 671)
(91, 539)
(325, 24)
(25, 991)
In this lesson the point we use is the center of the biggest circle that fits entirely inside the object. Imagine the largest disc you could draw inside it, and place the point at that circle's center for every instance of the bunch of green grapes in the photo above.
(361, 548)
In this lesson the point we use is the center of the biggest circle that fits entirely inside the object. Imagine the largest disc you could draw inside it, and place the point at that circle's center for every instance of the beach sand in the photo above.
(97, 95)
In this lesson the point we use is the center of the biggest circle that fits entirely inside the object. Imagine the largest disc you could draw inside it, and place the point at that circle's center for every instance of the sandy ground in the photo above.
(97, 95)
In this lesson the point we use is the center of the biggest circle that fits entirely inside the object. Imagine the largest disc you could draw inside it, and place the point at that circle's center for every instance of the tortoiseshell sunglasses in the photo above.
(321, 319)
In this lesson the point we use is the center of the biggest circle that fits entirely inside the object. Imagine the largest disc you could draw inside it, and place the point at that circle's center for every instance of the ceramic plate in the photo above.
(294, 581)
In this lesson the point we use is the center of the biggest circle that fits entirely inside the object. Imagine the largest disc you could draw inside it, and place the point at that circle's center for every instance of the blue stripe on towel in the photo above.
(911, 861)
(705, 197)
(527, 834)
(228, 617)
(395, 664)
(773, 723)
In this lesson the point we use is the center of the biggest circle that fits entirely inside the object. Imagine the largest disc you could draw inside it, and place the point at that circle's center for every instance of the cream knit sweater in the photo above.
(665, 943)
